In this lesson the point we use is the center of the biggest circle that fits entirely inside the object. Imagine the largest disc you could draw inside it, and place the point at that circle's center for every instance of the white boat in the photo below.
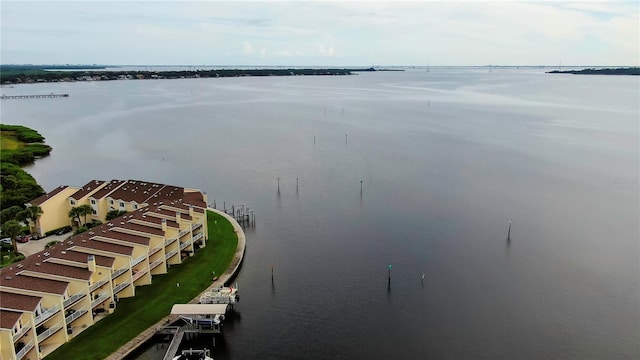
(221, 295)
(192, 354)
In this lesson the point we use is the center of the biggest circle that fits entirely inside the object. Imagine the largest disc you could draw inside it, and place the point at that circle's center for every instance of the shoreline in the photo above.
(222, 280)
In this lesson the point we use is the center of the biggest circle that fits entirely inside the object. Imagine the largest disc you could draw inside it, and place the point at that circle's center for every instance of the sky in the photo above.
(317, 33)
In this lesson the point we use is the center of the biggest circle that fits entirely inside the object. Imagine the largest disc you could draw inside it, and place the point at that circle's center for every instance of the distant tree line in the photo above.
(612, 71)
(39, 75)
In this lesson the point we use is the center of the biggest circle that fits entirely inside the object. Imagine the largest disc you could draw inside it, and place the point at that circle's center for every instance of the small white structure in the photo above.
(221, 295)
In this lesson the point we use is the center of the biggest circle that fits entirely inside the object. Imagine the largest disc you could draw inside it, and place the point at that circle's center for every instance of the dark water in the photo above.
(445, 159)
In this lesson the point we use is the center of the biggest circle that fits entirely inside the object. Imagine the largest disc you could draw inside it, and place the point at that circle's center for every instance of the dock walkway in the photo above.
(129, 347)
(39, 96)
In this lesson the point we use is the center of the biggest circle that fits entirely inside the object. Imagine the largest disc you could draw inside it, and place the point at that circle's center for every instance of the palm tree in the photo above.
(31, 214)
(74, 214)
(85, 210)
(12, 229)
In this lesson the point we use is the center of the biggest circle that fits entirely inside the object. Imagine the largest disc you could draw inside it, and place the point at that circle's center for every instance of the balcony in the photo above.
(22, 332)
(170, 241)
(73, 299)
(74, 315)
(139, 274)
(197, 237)
(46, 315)
(170, 254)
(154, 250)
(20, 354)
(99, 300)
(49, 332)
(155, 264)
(119, 287)
(184, 245)
(97, 285)
(138, 260)
(196, 225)
(183, 233)
(119, 272)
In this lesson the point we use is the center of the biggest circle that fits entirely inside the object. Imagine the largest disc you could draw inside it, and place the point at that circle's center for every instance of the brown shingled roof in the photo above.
(47, 196)
(11, 301)
(87, 189)
(144, 215)
(145, 229)
(8, 319)
(137, 191)
(117, 235)
(107, 189)
(11, 280)
(80, 257)
(36, 263)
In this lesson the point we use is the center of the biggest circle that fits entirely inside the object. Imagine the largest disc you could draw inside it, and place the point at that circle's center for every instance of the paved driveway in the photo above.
(34, 246)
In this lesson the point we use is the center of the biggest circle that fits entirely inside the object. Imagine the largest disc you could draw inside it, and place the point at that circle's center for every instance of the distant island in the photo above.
(592, 71)
(25, 74)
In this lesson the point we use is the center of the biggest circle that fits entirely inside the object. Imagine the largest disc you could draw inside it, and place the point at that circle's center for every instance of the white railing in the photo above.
(184, 245)
(139, 274)
(169, 241)
(197, 237)
(119, 287)
(99, 300)
(74, 316)
(119, 272)
(138, 260)
(22, 331)
(155, 264)
(196, 225)
(46, 314)
(183, 233)
(154, 250)
(170, 254)
(20, 354)
(49, 332)
(97, 284)
(74, 298)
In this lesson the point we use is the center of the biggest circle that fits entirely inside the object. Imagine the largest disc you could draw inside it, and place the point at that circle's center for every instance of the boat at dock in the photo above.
(221, 295)
(193, 354)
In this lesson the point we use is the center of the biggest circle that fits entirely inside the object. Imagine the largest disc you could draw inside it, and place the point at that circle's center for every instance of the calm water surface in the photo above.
(445, 159)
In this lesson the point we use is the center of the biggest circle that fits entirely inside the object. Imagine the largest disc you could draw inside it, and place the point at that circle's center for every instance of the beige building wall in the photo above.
(55, 211)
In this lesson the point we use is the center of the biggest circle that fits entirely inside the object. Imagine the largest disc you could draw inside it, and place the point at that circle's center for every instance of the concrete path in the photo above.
(129, 347)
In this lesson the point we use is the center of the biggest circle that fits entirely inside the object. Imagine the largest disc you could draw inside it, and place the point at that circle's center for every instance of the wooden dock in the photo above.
(10, 97)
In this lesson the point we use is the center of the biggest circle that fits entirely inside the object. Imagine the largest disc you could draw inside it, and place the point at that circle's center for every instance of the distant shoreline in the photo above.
(591, 71)
(40, 75)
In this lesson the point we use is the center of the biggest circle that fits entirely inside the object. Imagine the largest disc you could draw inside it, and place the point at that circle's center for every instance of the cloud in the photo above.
(322, 51)
(247, 49)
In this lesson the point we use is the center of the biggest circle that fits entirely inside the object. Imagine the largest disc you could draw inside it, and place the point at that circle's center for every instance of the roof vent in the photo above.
(63, 252)
(19, 266)
(84, 240)
(37, 264)
(46, 254)
(8, 277)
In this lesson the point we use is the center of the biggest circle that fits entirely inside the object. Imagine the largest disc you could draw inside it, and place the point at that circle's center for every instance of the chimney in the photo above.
(191, 210)
(164, 225)
(91, 261)
(178, 218)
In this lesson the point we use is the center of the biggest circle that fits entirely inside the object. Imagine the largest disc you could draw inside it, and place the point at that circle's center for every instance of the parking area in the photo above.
(34, 246)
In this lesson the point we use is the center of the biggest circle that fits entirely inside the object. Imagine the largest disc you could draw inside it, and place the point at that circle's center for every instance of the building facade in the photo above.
(50, 297)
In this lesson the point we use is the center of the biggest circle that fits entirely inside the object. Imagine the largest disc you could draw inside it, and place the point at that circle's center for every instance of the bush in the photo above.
(50, 244)
(80, 230)
(64, 229)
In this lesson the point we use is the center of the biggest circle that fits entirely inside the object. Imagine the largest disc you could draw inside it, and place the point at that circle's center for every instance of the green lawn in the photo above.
(8, 141)
(153, 302)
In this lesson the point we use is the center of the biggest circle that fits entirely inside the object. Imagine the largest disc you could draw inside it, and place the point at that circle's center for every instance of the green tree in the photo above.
(12, 229)
(112, 214)
(85, 210)
(74, 214)
(31, 214)
(9, 213)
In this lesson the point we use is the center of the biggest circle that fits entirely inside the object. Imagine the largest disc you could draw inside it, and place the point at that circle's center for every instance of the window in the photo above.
(93, 201)
(110, 202)
(73, 202)
(94, 212)
(121, 204)
(135, 206)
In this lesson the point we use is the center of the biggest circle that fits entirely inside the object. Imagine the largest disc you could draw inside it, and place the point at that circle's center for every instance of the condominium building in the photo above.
(50, 297)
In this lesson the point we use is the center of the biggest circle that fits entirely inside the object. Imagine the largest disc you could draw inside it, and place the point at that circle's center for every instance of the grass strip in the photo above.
(153, 302)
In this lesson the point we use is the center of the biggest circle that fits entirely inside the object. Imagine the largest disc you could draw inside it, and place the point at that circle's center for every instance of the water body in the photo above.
(445, 157)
